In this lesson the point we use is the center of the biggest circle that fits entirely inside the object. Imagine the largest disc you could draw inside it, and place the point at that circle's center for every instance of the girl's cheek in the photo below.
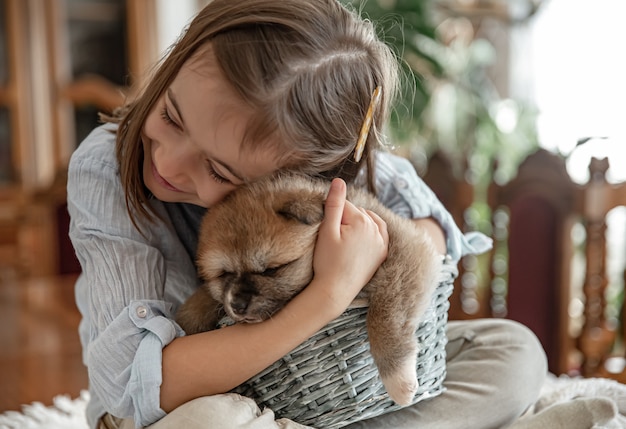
(211, 194)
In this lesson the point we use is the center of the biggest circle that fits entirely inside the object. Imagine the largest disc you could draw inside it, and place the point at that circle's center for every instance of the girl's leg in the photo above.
(495, 370)
(220, 411)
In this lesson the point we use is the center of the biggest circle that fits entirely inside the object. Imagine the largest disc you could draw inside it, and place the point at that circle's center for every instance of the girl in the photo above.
(252, 87)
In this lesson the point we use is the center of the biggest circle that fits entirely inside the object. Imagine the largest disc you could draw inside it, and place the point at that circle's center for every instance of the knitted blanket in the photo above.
(577, 403)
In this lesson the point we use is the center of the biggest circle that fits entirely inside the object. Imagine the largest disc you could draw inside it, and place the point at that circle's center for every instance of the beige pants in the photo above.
(495, 370)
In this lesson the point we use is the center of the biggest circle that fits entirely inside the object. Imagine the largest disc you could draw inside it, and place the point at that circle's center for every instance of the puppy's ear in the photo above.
(309, 211)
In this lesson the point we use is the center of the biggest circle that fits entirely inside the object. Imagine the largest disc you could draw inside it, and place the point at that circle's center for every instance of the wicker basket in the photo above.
(331, 380)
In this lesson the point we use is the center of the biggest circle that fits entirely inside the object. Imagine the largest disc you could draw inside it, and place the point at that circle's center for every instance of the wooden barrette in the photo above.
(367, 124)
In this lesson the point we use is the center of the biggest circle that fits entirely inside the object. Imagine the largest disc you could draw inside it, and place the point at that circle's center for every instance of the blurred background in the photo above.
(512, 112)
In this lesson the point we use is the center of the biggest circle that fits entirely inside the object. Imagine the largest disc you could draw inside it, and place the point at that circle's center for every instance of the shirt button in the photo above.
(401, 183)
(142, 312)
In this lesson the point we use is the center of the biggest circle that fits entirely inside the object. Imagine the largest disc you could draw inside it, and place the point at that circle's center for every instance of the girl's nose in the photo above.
(177, 161)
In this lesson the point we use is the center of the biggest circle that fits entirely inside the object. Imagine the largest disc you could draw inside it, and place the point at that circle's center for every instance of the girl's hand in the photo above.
(351, 245)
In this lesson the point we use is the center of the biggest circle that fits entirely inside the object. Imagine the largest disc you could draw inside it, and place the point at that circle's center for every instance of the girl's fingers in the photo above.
(338, 211)
(351, 212)
(335, 203)
(382, 226)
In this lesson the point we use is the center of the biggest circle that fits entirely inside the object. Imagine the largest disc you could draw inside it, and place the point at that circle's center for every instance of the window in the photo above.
(580, 81)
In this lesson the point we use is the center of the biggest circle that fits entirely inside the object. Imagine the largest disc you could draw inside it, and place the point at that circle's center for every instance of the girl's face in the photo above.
(192, 140)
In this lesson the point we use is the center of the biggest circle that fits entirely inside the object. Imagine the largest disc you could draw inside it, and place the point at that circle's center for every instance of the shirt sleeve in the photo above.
(404, 192)
(125, 291)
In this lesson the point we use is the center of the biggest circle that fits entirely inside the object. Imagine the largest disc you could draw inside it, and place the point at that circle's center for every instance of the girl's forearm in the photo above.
(216, 361)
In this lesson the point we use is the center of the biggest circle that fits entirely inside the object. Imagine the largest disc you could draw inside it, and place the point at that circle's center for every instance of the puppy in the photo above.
(255, 253)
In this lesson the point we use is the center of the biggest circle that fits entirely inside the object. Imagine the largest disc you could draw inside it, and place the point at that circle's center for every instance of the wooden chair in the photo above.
(530, 271)
(528, 276)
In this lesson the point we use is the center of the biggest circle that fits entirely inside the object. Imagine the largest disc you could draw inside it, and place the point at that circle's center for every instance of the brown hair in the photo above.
(308, 68)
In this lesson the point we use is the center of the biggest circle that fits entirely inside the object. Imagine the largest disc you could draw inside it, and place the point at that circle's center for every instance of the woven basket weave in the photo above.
(331, 380)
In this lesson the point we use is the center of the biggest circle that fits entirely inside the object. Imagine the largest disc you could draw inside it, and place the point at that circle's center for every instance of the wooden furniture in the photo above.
(61, 63)
(531, 261)
(598, 337)
(12, 260)
(529, 273)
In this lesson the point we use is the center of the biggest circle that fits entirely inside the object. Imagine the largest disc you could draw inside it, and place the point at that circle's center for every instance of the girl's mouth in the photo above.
(161, 181)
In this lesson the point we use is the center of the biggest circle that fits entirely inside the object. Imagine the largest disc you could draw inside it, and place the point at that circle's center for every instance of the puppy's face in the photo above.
(256, 249)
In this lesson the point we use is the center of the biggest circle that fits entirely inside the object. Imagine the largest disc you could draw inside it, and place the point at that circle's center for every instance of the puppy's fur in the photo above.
(255, 253)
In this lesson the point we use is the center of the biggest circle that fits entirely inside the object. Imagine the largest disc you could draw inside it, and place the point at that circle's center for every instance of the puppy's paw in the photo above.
(402, 383)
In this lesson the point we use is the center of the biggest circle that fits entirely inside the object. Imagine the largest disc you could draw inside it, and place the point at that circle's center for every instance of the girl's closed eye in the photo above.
(167, 118)
(215, 175)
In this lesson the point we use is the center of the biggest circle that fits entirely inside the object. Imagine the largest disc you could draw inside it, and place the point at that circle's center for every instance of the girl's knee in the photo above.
(510, 348)
(527, 346)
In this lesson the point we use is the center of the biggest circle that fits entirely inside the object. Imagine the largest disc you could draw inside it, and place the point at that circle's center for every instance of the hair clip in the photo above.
(367, 124)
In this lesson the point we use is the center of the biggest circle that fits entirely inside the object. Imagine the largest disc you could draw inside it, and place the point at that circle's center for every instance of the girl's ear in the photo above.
(308, 210)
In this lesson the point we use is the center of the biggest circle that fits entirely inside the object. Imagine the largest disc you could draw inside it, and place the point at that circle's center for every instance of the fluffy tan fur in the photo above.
(255, 253)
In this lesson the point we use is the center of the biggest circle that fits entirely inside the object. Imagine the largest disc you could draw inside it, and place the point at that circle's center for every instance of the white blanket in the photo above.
(577, 403)
(66, 413)
(564, 403)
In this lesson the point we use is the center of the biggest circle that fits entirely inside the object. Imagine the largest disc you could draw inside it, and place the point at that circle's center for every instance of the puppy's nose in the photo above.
(239, 304)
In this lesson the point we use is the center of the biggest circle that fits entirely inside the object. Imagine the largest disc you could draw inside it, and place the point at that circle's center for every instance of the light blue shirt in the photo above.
(131, 284)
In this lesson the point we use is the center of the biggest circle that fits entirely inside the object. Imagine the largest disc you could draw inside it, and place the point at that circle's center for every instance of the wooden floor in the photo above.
(40, 353)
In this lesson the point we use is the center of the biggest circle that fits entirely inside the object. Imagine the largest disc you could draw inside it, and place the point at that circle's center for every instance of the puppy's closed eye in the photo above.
(270, 272)
(273, 271)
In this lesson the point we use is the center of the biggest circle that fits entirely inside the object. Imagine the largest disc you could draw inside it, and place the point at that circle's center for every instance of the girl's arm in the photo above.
(352, 243)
